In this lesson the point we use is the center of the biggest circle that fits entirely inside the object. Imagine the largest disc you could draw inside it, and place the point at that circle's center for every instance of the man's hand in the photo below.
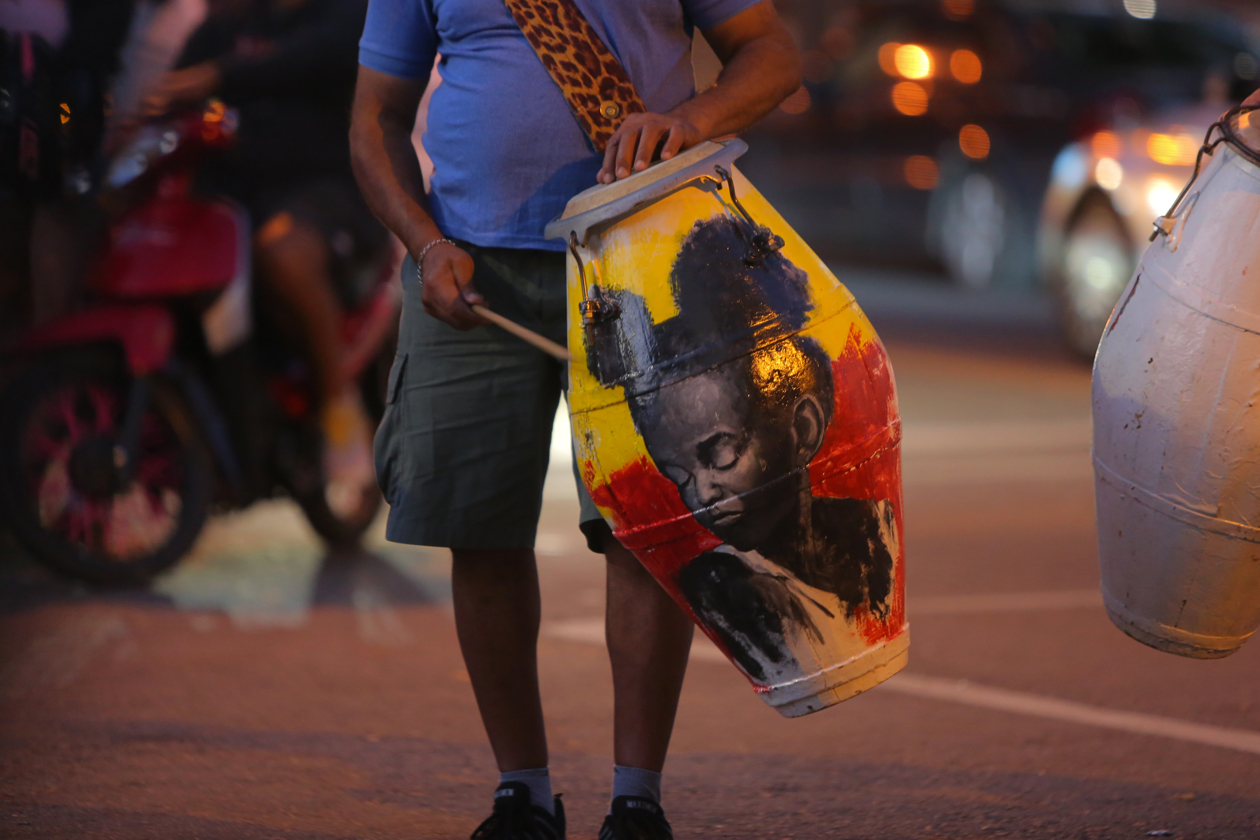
(1254, 99)
(633, 145)
(761, 67)
(448, 293)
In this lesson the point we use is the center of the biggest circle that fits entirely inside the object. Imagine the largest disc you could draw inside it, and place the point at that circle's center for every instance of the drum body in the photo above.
(1176, 429)
(735, 420)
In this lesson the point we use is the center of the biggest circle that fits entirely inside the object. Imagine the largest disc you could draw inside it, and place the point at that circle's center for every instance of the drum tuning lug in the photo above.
(598, 308)
(595, 307)
(1163, 226)
(762, 242)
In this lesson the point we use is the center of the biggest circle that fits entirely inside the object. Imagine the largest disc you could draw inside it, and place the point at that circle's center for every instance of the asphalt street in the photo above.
(264, 689)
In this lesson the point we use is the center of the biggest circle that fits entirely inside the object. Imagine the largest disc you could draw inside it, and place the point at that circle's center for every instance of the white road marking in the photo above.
(1003, 602)
(1023, 436)
(57, 659)
(591, 631)
(379, 623)
(1023, 703)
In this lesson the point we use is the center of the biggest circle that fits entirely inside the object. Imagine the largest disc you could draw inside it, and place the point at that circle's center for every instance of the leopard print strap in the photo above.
(594, 83)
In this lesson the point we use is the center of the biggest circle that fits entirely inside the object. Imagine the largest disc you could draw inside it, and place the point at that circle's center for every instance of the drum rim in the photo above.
(1231, 136)
(617, 209)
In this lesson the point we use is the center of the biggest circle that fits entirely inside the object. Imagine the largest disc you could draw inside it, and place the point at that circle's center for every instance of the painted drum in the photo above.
(1176, 423)
(735, 420)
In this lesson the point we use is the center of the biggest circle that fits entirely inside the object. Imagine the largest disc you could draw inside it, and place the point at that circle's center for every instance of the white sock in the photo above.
(634, 781)
(539, 783)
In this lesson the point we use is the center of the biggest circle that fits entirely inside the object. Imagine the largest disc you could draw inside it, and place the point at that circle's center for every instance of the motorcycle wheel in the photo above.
(339, 531)
(61, 488)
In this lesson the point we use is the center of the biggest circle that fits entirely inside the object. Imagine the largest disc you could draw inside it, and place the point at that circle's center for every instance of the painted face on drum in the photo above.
(737, 468)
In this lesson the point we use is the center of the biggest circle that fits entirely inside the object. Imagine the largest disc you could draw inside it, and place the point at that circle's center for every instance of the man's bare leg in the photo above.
(497, 611)
(294, 260)
(649, 640)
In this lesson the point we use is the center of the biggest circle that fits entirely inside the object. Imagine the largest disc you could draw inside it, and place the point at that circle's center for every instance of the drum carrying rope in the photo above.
(1165, 223)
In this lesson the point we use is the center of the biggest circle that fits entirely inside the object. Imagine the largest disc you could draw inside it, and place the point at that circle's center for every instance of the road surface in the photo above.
(266, 690)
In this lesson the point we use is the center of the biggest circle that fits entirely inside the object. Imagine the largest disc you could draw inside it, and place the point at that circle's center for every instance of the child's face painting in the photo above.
(698, 433)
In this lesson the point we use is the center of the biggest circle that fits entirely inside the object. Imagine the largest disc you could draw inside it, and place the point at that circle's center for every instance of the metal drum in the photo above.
(735, 420)
(1176, 423)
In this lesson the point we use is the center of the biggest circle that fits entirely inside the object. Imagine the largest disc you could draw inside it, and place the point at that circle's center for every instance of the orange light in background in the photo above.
(798, 102)
(913, 62)
(921, 172)
(910, 98)
(1106, 144)
(958, 9)
(966, 67)
(974, 142)
(1172, 149)
(65, 113)
(888, 57)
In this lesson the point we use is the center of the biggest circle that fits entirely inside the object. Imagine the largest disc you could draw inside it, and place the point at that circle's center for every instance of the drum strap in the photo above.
(594, 83)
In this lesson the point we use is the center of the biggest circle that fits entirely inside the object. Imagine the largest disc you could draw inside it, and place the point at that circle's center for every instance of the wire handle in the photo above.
(762, 242)
(1164, 224)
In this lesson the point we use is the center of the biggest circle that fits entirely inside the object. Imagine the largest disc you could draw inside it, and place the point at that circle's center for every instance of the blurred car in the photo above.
(926, 130)
(1103, 196)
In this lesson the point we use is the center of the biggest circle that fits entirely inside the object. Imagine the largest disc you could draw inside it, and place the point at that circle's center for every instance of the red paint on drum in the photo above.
(861, 459)
(650, 518)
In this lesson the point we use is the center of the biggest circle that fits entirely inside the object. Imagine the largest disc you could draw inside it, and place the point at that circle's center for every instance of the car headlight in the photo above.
(1160, 194)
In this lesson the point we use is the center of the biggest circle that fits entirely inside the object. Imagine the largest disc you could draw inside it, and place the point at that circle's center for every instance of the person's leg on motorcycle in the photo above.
(295, 260)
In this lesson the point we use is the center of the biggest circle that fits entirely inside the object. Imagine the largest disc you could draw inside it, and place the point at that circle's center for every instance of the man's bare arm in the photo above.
(388, 172)
(761, 68)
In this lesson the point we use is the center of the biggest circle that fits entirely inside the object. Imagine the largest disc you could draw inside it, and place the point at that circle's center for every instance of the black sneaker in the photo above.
(514, 818)
(635, 818)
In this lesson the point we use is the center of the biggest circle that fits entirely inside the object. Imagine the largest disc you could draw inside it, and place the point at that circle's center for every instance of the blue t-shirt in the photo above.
(507, 152)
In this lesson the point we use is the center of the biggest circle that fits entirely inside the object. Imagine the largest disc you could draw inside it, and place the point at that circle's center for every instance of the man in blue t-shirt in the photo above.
(463, 449)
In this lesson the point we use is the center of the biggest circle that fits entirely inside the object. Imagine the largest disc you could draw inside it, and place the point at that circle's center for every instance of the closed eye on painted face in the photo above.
(699, 438)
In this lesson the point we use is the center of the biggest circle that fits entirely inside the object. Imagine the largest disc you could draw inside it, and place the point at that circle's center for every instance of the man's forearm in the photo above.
(388, 172)
(760, 75)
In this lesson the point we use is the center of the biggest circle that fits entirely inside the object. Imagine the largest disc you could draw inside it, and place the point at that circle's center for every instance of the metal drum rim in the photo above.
(606, 214)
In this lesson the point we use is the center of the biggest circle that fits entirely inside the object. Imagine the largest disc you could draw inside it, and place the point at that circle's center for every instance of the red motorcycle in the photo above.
(131, 420)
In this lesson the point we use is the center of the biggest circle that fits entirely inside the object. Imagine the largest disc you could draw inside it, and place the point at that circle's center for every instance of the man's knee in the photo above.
(619, 557)
(284, 239)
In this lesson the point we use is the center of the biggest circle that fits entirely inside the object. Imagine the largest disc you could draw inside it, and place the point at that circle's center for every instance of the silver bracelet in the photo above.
(424, 251)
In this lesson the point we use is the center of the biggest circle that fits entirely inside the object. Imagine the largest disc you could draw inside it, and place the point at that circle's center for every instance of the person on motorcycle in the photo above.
(288, 67)
(58, 60)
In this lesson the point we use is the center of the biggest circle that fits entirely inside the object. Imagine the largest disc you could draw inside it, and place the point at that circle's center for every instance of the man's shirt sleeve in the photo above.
(706, 14)
(399, 38)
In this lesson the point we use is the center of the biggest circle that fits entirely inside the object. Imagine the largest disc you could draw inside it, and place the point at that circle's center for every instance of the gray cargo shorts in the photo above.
(463, 447)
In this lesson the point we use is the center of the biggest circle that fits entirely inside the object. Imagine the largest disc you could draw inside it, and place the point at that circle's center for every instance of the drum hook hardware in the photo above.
(1164, 224)
(595, 307)
(762, 241)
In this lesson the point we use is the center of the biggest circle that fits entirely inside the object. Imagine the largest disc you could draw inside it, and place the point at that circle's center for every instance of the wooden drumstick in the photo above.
(544, 344)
